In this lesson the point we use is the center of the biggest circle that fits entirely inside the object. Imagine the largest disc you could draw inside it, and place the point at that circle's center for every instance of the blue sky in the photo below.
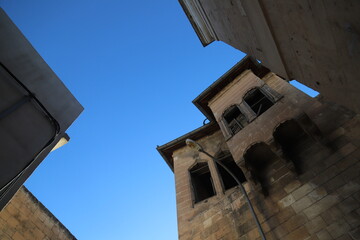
(135, 66)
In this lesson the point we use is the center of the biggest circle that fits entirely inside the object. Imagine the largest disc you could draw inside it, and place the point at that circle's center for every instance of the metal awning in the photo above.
(35, 109)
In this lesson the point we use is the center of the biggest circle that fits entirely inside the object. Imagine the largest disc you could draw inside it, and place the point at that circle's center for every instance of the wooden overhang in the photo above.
(167, 150)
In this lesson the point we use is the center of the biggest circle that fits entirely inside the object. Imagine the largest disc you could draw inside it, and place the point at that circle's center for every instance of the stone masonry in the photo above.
(320, 201)
(25, 218)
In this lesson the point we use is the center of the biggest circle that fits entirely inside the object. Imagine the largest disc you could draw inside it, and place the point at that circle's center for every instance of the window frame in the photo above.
(246, 110)
(194, 194)
(225, 126)
(272, 95)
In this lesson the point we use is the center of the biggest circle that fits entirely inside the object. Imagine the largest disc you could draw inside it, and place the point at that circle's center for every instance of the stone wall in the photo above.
(321, 202)
(194, 219)
(25, 218)
(292, 104)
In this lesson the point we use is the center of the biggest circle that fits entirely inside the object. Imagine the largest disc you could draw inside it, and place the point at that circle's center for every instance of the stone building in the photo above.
(315, 42)
(25, 218)
(296, 156)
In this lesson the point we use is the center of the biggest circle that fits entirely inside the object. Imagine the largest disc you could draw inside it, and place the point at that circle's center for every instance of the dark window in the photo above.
(234, 119)
(201, 182)
(257, 101)
(227, 179)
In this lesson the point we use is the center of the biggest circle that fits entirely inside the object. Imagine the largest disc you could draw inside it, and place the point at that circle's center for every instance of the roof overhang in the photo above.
(199, 21)
(247, 63)
(167, 150)
(35, 109)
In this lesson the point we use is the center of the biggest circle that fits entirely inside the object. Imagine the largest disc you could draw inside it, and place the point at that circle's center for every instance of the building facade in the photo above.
(314, 42)
(25, 218)
(296, 156)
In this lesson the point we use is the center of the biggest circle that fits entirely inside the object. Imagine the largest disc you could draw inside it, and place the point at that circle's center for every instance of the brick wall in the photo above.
(25, 218)
(323, 202)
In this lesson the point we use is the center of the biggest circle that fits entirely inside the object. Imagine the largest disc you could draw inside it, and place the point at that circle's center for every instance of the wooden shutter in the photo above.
(223, 126)
(270, 93)
(247, 111)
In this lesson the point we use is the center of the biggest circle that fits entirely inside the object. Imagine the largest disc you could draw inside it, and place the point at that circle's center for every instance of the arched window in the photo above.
(234, 119)
(258, 101)
(227, 180)
(201, 181)
(258, 158)
(293, 140)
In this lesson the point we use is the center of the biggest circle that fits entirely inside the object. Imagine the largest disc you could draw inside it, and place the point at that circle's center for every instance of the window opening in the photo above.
(235, 120)
(201, 181)
(227, 180)
(257, 101)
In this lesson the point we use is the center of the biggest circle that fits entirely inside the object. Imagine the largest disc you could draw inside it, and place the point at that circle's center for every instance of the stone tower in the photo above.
(296, 156)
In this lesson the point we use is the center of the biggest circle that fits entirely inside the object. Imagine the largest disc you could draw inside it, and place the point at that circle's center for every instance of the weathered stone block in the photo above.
(353, 218)
(348, 189)
(295, 222)
(301, 204)
(285, 214)
(280, 231)
(348, 205)
(286, 201)
(315, 225)
(338, 228)
(355, 234)
(299, 234)
(321, 206)
(292, 186)
(317, 194)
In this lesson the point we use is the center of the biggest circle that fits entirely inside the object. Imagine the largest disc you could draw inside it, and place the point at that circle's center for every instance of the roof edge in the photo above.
(199, 21)
(246, 63)
(166, 150)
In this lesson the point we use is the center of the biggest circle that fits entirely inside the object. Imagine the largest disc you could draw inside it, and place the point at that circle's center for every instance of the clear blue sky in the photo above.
(135, 66)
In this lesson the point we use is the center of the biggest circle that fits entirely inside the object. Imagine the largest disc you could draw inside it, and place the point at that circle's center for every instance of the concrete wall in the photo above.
(314, 42)
(323, 202)
(319, 42)
(25, 218)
